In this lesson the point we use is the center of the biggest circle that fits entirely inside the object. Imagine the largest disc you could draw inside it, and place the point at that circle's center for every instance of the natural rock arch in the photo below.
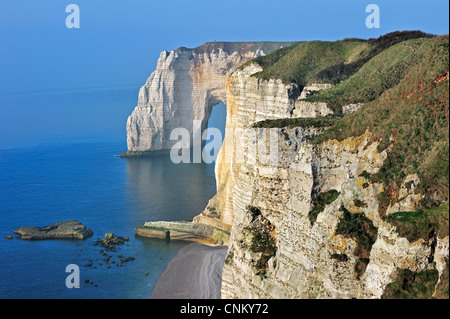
(185, 86)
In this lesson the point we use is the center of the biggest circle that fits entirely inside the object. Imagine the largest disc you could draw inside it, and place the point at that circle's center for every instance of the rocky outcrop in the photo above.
(185, 86)
(407, 199)
(110, 241)
(186, 231)
(71, 229)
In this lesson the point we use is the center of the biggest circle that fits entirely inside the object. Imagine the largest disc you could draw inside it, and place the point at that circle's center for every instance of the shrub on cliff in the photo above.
(259, 231)
(324, 61)
(295, 122)
(421, 224)
(319, 203)
(360, 228)
(411, 285)
(261, 242)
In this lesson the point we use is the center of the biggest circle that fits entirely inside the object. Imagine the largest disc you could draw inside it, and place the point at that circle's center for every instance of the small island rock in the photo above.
(71, 229)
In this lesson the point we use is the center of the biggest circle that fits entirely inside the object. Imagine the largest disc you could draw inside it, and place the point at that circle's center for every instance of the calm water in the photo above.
(90, 183)
(58, 161)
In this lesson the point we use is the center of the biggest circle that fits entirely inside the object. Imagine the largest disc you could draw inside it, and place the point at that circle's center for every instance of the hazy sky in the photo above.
(118, 42)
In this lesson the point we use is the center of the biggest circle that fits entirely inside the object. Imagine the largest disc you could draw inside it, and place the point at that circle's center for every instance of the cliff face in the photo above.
(353, 205)
(248, 100)
(185, 86)
(276, 250)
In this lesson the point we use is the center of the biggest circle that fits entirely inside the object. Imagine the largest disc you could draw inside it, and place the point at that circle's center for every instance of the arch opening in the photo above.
(217, 120)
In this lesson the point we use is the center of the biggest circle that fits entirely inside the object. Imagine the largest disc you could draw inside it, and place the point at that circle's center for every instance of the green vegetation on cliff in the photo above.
(260, 235)
(230, 47)
(296, 122)
(319, 203)
(360, 228)
(339, 72)
(421, 224)
(411, 285)
(299, 64)
(413, 118)
(262, 242)
(326, 61)
(379, 74)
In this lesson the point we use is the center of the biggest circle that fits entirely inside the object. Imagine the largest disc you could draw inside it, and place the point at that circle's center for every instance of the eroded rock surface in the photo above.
(71, 229)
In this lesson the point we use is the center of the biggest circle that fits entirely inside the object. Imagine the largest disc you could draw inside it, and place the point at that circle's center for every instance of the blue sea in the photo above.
(78, 175)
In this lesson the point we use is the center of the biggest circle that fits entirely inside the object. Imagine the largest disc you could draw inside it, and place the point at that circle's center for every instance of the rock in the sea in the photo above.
(127, 259)
(110, 241)
(71, 229)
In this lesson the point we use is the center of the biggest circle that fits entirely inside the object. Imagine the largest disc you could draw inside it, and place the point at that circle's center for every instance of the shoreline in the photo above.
(194, 273)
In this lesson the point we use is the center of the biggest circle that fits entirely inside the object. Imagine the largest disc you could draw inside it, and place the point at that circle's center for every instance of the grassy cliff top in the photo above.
(380, 73)
(300, 63)
(326, 61)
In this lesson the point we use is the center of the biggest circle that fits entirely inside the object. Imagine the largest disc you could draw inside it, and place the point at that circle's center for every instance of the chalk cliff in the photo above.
(185, 86)
(275, 249)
